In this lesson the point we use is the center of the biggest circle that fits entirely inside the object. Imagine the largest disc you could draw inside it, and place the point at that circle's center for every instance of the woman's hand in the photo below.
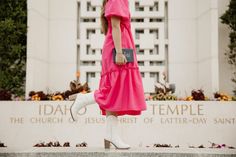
(120, 59)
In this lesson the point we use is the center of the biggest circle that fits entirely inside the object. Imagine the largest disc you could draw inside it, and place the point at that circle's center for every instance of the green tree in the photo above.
(13, 30)
(229, 18)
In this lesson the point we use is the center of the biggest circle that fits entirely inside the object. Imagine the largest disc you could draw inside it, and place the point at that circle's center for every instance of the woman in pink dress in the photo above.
(120, 89)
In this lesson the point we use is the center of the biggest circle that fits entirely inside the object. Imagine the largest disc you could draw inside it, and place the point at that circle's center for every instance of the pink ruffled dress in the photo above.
(120, 88)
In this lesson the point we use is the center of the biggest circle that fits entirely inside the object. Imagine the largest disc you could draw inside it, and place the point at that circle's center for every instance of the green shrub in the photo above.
(13, 29)
(229, 18)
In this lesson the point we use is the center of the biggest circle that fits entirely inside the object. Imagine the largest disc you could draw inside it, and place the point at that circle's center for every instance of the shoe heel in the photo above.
(107, 144)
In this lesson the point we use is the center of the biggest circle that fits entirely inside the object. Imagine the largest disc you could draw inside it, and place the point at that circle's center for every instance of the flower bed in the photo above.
(162, 92)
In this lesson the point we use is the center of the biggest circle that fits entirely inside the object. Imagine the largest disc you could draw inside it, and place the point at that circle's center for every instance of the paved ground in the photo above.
(133, 152)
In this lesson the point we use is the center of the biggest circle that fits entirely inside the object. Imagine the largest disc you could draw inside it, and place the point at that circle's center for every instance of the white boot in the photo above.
(112, 134)
(81, 101)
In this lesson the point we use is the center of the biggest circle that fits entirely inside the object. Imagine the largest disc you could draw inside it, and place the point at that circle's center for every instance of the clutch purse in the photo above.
(129, 54)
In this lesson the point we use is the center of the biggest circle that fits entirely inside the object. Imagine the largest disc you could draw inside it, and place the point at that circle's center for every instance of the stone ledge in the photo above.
(133, 152)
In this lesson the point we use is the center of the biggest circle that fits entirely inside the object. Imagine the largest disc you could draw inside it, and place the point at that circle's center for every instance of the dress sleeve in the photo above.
(117, 8)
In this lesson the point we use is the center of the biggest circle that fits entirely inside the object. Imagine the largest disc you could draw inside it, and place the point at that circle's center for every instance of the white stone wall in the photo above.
(183, 45)
(207, 45)
(37, 45)
(51, 45)
(187, 42)
(62, 43)
(193, 42)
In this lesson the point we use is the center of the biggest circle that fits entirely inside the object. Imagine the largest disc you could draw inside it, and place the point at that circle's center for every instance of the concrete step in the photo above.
(133, 152)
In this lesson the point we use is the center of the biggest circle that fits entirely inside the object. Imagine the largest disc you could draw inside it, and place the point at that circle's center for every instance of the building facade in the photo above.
(180, 38)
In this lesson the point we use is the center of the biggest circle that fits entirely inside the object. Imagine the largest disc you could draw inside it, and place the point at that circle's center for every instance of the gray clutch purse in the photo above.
(129, 54)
